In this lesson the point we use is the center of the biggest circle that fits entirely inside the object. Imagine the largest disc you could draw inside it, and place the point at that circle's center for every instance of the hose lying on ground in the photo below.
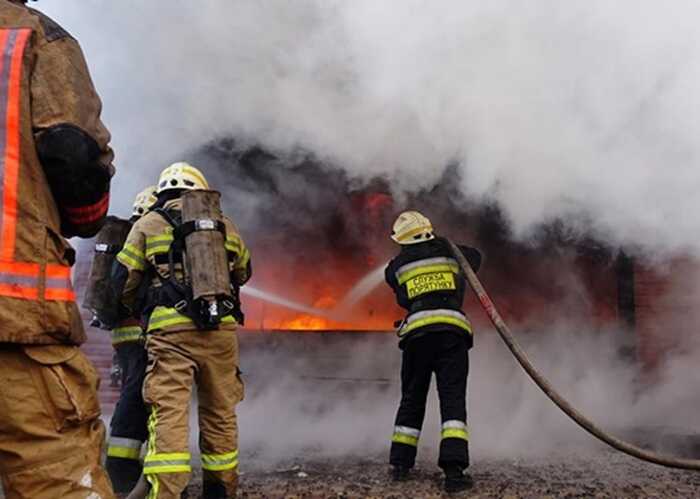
(548, 389)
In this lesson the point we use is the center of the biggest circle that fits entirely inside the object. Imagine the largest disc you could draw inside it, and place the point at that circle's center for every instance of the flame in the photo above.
(306, 323)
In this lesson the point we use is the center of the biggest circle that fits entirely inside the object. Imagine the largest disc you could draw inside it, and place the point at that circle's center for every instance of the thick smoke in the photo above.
(581, 110)
(578, 111)
(329, 399)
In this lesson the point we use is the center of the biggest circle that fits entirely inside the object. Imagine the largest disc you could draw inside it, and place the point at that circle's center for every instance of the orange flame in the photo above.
(306, 323)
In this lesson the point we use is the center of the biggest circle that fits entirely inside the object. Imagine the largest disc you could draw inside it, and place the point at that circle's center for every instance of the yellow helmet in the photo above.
(181, 176)
(412, 227)
(144, 200)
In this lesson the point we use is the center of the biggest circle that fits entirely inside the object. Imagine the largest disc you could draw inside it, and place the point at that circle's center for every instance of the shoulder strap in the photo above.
(167, 216)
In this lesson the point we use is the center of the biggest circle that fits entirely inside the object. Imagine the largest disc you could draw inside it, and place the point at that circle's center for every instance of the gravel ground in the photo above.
(604, 475)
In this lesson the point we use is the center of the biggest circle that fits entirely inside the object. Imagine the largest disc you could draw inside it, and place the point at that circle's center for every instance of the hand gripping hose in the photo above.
(548, 389)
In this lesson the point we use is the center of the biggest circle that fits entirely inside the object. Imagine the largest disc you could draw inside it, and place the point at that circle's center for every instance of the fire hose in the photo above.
(548, 389)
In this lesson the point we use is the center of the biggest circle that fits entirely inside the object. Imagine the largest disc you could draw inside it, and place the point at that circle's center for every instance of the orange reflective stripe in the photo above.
(54, 271)
(58, 283)
(19, 268)
(19, 280)
(12, 145)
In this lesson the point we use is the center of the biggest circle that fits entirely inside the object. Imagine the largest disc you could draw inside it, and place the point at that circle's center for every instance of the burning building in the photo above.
(322, 241)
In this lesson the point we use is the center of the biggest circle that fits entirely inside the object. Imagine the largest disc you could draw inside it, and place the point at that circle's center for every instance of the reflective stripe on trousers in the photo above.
(455, 429)
(406, 435)
(436, 316)
(173, 462)
(220, 462)
(126, 448)
(156, 463)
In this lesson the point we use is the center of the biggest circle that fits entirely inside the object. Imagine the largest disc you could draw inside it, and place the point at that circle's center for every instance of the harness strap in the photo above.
(185, 229)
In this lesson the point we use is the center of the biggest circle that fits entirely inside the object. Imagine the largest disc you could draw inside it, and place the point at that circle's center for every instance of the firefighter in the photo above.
(435, 337)
(128, 424)
(55, 170)
(181, 350)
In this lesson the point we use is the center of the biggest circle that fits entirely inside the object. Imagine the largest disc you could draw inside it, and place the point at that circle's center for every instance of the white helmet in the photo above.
(181, 176)
(144, 200)
(412, 227)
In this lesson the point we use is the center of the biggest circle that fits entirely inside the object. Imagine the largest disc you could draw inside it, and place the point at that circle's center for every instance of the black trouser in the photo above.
(128, 425)
(445, 354)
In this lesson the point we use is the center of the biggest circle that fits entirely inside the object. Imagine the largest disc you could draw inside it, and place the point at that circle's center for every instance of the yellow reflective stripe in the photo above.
(132, 257)
(150, 469)
(174, 462)
(243, 259)
(220, 467)
(166, 316)
(455, 433)
(168, 237)
(125, 448)
(437, 319)
(427, 269)
(220, 462)
(401, 438)
(233, 243)
(158, 244)
(123, 452)
(127, 333)
(168, 456)
(151, 450)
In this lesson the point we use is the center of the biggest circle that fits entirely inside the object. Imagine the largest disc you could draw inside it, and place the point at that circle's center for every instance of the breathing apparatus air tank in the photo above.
(206, 259)
(100, 296)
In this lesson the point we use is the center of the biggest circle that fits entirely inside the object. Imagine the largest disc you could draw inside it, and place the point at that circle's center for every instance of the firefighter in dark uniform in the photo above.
(128, 426)
(435, 338)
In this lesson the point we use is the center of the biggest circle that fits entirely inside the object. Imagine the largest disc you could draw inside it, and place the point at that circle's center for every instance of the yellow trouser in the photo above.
(51, 436)
(176, 361)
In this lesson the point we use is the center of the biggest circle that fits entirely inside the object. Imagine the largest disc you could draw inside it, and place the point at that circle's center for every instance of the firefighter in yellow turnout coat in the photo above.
(55, 168)
(180, 354)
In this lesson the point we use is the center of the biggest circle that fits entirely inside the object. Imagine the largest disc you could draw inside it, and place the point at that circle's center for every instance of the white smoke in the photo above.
(339, 398)
(583, 110)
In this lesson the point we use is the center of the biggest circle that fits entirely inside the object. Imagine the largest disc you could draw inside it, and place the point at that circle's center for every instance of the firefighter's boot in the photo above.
(457, 480)
(400, 473)
(214, 490)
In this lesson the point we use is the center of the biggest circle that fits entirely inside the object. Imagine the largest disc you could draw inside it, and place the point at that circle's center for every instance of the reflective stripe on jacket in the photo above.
(147, 247)
(44, 83)
(436, 316)
(125, 333)
(167, 318)
(427, 282)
